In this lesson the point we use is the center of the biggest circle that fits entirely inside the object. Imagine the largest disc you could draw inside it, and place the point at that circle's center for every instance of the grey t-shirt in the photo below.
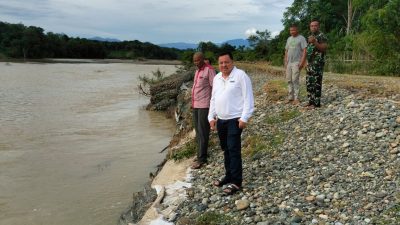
(295, 46)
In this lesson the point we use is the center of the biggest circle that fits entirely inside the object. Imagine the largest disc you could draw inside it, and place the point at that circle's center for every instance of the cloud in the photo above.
(157, 21)
(250, 31)
(274, 33)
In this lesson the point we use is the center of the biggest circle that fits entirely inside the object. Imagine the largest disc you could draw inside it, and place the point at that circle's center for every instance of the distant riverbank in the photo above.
(99, 61)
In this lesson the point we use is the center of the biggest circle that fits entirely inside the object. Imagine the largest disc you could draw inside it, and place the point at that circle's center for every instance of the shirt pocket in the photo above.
(234, 88)
(203, 80)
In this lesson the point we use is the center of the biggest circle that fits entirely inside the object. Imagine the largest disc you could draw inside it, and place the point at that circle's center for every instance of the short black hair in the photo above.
(226, 53)
(293, 25)
(314, 20)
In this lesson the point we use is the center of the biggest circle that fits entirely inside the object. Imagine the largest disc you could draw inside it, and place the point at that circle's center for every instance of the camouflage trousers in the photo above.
(314, 85)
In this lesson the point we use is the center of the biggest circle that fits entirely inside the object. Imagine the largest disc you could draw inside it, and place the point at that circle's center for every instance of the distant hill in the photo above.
(104, 39)
(184, 45)
(179, 45)
(238, 42)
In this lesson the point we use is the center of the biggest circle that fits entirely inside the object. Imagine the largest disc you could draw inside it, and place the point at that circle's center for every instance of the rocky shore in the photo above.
(338, 164)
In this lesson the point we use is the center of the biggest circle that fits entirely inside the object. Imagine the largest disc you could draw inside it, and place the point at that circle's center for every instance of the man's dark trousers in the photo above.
(229, 135)
(202, 128)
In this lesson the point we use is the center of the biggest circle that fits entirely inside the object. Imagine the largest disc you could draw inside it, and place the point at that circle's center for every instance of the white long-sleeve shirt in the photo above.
(231, 97)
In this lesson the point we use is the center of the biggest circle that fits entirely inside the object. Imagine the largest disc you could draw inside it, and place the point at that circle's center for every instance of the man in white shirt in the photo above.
(231, 106)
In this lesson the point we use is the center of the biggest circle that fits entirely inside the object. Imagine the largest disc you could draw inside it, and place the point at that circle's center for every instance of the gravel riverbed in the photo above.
(338, 164)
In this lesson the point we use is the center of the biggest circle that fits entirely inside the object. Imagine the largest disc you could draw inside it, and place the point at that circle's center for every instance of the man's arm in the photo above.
(285, 60)
(248, 99)
(321, 46)
(211, 112)
(303, 58)
(211, 75)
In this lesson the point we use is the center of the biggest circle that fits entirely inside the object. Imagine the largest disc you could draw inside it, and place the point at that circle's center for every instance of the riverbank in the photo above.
(335, 165)
(98, 61)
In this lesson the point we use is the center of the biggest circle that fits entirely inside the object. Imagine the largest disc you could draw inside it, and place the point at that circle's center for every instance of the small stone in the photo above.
(323, 216)
(398, 120)
(367, 174)
(394, 151)
(389, 172)
(184, 221)
(242, 204)
(310, 198)
(379, 135)
(336, 196)
(320, 198)
(351, 104)
(297, 219)
(190, 192)
(345, 145)
(329, 138)
(248, 220)
(262, 223)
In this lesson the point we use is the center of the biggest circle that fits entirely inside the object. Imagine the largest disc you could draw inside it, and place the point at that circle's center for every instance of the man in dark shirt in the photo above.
(316, 49)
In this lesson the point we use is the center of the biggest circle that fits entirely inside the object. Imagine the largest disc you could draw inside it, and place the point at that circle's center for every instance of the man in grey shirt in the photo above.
(295, 57)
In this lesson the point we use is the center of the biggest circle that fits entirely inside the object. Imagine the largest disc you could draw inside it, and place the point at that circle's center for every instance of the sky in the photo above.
(155, 21)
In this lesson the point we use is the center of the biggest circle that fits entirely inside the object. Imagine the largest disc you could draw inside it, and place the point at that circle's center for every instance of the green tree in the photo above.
(260, 43)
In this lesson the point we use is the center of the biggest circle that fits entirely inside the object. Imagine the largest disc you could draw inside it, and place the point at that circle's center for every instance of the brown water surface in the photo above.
(75, 141)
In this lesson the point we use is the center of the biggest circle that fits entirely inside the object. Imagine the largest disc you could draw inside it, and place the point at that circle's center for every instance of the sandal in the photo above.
(231, 189)
(220, 183)
(196, 165)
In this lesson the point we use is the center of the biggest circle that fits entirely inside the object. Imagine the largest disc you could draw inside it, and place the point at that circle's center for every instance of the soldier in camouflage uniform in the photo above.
(316, 48)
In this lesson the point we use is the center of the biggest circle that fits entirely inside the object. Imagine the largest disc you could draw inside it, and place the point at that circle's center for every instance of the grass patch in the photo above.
(187, 151)
(390, 216)
(276, 90)
(255, 144)
(367, 85)
(261, 67)
(282, 117)
(212, 218)
(276, 139)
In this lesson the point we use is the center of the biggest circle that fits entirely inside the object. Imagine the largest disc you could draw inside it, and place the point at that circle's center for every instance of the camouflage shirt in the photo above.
(314, 56)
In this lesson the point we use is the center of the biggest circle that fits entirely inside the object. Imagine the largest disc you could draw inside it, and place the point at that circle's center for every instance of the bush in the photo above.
(187, 151)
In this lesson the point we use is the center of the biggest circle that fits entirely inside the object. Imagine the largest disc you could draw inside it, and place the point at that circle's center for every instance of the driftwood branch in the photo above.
(142, 91)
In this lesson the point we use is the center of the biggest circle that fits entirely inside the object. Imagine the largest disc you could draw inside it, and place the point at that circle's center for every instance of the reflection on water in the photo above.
(75, 141)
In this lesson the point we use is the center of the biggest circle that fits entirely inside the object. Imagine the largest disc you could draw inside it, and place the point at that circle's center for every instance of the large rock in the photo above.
(141, 202)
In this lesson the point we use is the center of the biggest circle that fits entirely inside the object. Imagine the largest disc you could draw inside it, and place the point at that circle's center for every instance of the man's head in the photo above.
(225, 63)
(314, 26)
(198, 59)
(294, 31)
(207, 61)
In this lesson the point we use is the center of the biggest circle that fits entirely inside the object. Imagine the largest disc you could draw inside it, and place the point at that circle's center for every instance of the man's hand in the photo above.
(311, 39)
(212, 124)
(242, 124)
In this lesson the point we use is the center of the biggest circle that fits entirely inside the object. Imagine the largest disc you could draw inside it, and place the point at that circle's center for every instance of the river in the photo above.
(75, 141)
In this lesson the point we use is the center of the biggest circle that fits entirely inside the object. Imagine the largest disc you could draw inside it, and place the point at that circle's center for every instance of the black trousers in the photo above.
(202, 128)
(229, 136)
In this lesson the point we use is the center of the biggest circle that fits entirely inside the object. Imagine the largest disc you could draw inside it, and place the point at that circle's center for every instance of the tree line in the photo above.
(363, 37)
(30, 42)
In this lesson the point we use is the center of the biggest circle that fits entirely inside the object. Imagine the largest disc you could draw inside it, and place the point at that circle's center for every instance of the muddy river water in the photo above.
(75, 141)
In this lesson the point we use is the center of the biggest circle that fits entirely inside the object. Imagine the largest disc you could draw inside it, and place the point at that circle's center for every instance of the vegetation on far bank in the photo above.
(30, 42)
